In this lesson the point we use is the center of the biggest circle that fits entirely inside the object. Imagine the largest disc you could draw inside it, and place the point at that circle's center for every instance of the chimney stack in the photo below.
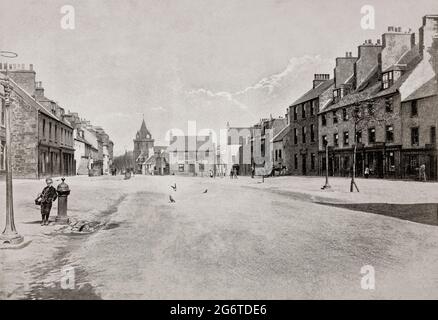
(22, 75)
(367, 61)
(395, 45)
(320, 78)
(428, 34)
(344, 68)
(39, 91)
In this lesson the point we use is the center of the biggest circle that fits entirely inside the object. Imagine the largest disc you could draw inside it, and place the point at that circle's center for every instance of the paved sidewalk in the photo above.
(371, 190)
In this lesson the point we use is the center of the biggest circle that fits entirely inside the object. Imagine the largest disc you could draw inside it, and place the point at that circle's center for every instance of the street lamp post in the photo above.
(10, 234)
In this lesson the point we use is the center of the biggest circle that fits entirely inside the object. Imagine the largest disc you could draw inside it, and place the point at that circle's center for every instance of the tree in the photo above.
(365, 112)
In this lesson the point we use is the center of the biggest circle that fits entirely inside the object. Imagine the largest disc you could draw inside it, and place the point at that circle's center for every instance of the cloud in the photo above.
(272, 92)
(221, 94)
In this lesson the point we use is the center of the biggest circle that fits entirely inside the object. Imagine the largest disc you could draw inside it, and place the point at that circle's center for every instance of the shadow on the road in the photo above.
(425, 213)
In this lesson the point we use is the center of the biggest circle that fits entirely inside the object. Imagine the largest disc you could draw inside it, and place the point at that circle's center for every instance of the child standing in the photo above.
(47, 196)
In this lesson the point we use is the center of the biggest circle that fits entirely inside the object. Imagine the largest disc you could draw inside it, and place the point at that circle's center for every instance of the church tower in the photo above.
(143, 145)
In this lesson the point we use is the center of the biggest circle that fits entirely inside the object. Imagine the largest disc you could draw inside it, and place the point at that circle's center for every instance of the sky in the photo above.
(173, 61)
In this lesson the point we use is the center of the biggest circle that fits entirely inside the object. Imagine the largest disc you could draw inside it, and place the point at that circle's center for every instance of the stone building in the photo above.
(143, 147)
(391, 138)
(85, 152)
(157, 163)
(192, 155)
(237, 153)
(301, 147)
(42, 140)
(280, 156)
(262, 144)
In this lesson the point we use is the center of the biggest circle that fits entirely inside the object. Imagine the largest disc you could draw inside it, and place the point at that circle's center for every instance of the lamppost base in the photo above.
(61, 220)
(326, 187)
(11, 238)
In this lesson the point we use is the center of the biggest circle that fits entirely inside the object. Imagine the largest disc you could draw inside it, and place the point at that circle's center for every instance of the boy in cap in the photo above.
(47, 196)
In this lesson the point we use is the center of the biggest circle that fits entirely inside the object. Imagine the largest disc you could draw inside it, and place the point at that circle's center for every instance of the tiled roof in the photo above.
(430, 88)
(314, 93)
(150, 160)
(357, 96)
(394, 88)
(25, 95)
(280, 136)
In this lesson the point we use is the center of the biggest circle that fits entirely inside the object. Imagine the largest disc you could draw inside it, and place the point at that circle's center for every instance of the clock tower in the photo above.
(143, 146)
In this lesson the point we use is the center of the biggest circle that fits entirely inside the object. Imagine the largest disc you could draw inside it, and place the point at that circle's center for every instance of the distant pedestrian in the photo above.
(235, 173)
(423, 173)
(367, 172)
(252, 172)
(45, 199)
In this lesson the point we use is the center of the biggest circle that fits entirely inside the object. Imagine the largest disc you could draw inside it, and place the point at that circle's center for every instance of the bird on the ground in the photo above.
(206, 190)
(172, 200)
(173, 187)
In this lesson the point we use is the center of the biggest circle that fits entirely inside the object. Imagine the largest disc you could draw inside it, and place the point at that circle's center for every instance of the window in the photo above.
(414, 108)
(344, 114)
(181, 167)
(337, 95)
(432, 135)
(391, 161)
(312, 133)
(3, 113)
(276, 155)
(415, 136)
(56, 133)
(389, 134)
(346, 138)
(44, 128)
(359, 136)
(201, 167)
(336, 139)
(207, 153)
(313, 105)
(312, 161)
(335, 117)
(387, 79)
(303, 133)
(371, 135)
(295, 136)
(296, 161)
(303, 111)
(295, 113)
(370, 109)
(324, 141)
(50, 131)
(2, 155)
(279, 154)
(389, 105)
(323, 119)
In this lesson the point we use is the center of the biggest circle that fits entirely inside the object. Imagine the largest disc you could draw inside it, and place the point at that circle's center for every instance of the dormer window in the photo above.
(388, 79)
(338, 94)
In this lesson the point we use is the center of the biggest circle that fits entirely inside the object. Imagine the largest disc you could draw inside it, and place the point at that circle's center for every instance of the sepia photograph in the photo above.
(218, 151)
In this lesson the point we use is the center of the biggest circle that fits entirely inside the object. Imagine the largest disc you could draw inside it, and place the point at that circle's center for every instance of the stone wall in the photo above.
(24, 124)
